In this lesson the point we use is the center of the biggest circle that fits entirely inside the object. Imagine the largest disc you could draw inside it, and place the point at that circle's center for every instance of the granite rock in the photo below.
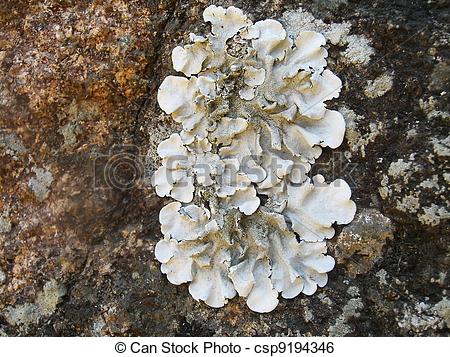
(78, 85)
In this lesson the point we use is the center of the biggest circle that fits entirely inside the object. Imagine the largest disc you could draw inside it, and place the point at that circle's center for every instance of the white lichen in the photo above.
(357, 141)
(425, 316)
(41, 183)
(415, 199)
(11, 144)
(379, 86)
(433, 215)
(299, 20)
(358, 50)
(254, 119)
(400, 168)
(351, 310)
(441, 147)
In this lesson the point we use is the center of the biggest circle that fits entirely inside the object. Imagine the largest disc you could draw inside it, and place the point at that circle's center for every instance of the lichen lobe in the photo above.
(254, 118)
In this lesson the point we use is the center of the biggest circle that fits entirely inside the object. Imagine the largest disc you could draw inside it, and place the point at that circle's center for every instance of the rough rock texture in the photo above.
(77, 249)
(360, 244)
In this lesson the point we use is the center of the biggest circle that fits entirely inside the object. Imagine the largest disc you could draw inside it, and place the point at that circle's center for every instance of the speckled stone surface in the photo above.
(78, 78)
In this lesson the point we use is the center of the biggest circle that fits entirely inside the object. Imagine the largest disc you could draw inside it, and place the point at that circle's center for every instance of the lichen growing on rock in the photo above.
(254, 119)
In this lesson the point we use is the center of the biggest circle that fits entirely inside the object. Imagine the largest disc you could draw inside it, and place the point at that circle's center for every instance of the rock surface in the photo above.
(78, 85)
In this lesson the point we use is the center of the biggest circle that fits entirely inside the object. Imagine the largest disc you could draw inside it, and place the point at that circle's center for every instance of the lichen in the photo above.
(441, 147)
(5, 223)
(425, 316)
(433, 215)
(300, 20)
(70, 131)
(2, 277)
(358, 50)
(11, 144)
(44, 306)
(254, 118)
(400, 168)
(349, 311)
(357, 141)
(379, 86)
(41, 183)
(415, 199)
(429, 107)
